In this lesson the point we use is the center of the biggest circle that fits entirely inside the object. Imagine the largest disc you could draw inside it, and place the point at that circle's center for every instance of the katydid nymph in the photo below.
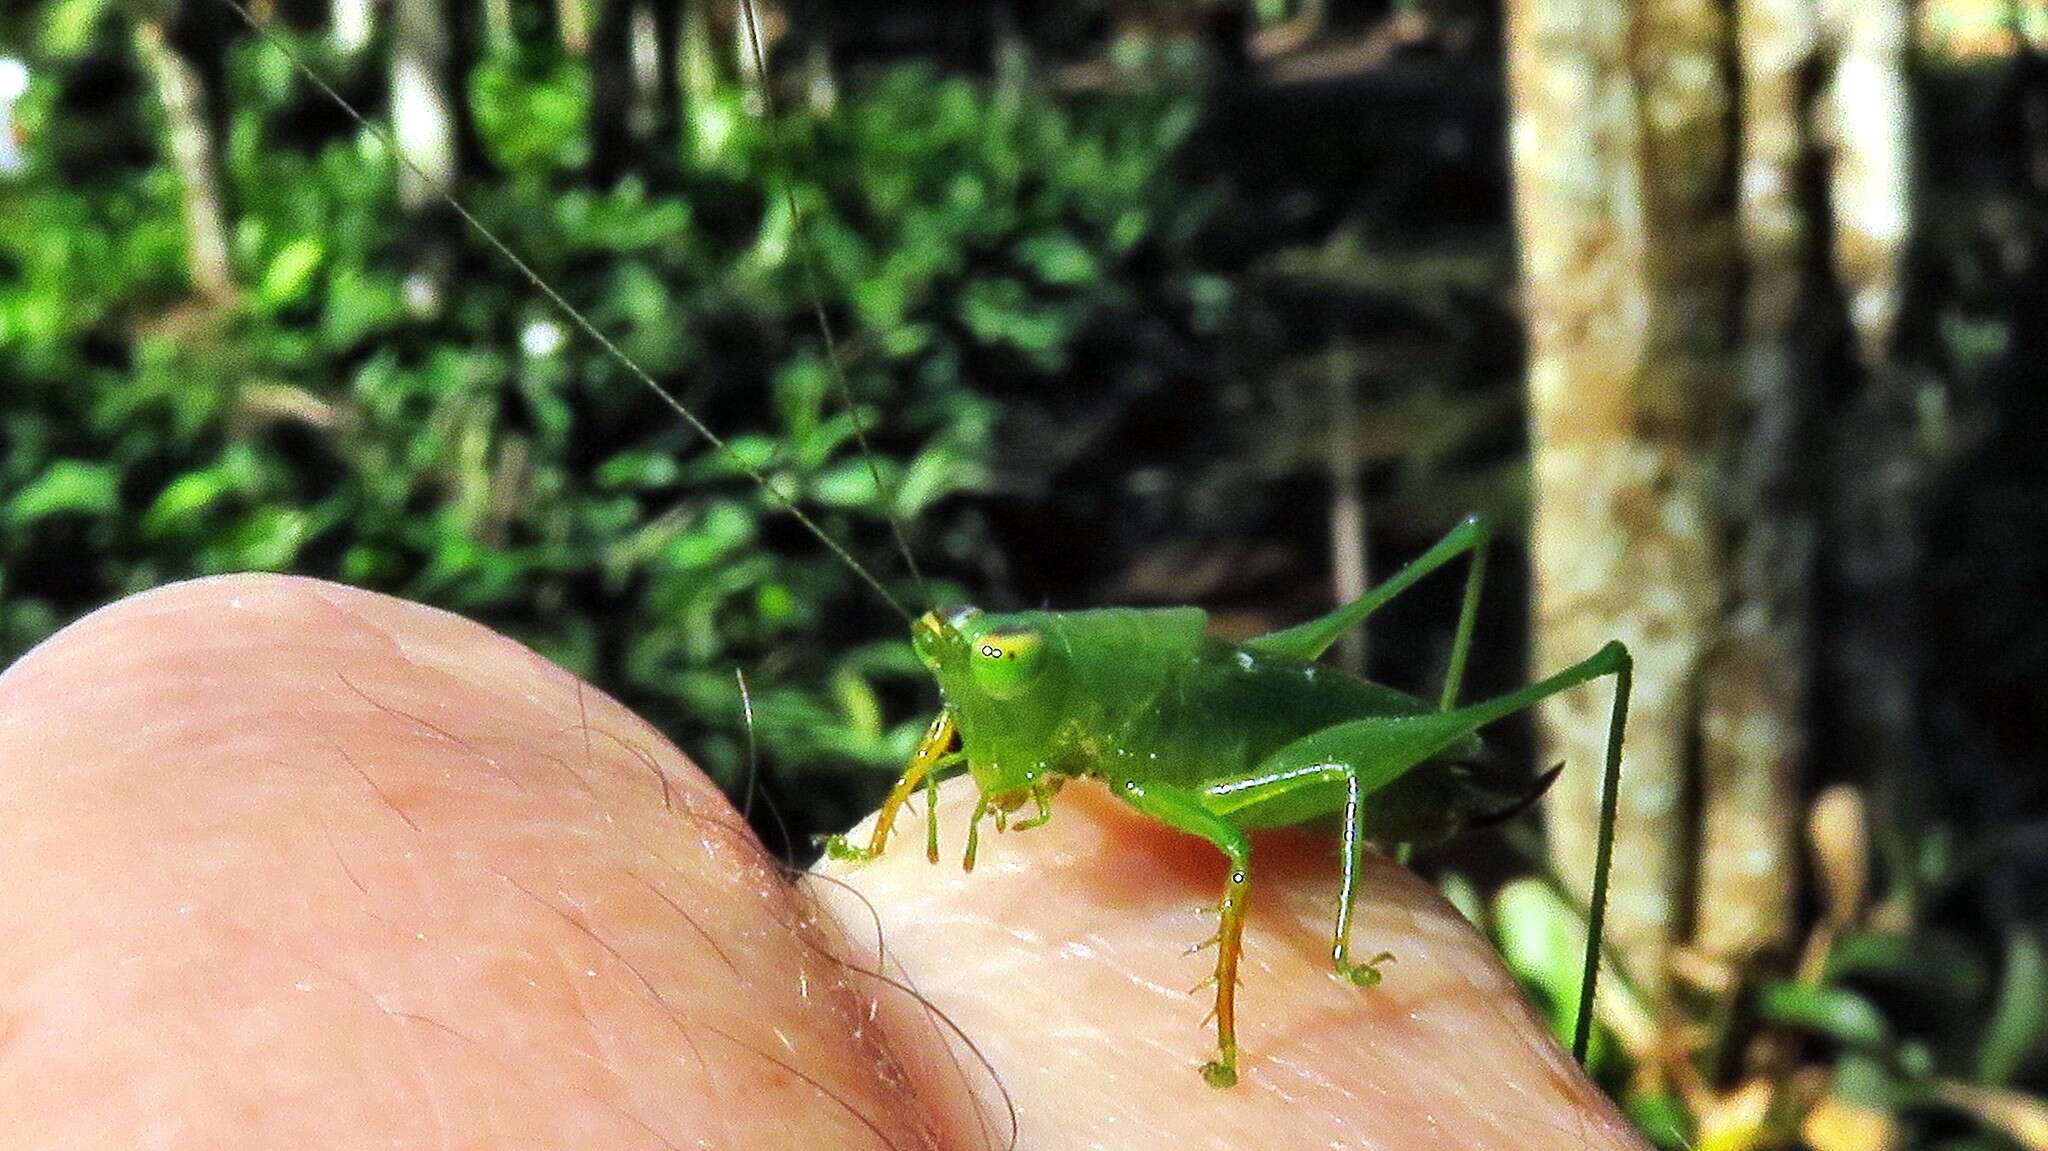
(1219, 739)
(1210, 738)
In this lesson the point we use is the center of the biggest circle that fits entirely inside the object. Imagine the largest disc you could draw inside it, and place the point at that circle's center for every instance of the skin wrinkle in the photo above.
(434, 729)
(709, 940)
(580, 923)
(354, 880)
(513, 1069)
(599, 1055)
(661, 777)
(940, 1023)
(374, 786)
(642, 755)
(568, 769)
(817, 922)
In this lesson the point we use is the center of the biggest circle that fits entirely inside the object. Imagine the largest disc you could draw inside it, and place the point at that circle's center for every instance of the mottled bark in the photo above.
(1755, 687)
(1621, 155)
(699, 56)
(1672, 502)
(189, 134)
(498, 31)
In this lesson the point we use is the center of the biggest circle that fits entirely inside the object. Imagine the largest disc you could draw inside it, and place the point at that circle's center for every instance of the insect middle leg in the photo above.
(1366, 974)
(1183, 811)
(1288, 785)
(1374, 752)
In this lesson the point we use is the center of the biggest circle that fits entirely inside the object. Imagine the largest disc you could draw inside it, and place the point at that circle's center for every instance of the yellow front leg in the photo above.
(933, 751)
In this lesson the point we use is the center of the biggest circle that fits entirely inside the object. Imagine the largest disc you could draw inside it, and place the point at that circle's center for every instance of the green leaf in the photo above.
(185, 500)
(858, 701)
(1542, 941)
(289, 273)
(1935, 964)
(266, 539)
(849, 484)
(2019, 1017)
(72, 487)
(722, 529)
(637, 470)
(1662, 1117)
(1058, 259)
(1841, 1015)
(68, 27)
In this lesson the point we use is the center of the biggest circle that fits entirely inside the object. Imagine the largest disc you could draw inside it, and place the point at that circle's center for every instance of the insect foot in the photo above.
(1221, 1072)
(1365, 974)
(840, 848)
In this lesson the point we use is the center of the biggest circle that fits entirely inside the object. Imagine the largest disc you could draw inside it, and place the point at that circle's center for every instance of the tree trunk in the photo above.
(572, 20)
(1621, 162)
(699, 55)
(1870, 176)
(1675, 205)
(189, 132)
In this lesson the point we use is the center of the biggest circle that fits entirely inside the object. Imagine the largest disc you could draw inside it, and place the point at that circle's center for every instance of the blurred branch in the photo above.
(1864, 120)
(193, 152)
(1350, 570)
(1754, 698)
(422, 103)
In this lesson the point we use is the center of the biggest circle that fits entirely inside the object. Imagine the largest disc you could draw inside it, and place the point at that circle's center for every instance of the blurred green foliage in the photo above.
(387, 405)
(1915, 1026)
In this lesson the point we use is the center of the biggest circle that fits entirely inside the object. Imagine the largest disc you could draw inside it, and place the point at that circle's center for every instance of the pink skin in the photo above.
(291, 865)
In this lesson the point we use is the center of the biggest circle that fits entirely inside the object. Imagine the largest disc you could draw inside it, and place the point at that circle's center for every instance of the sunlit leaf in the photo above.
(851, 484)
(186, 499)
(2018, 1028)
(68, 26)
(290, 272)
(67, 487)
(1842, 1015)
(1058, 258)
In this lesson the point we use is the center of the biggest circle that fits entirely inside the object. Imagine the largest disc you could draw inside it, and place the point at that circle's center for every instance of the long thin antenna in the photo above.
(576, 317)
(808, 256)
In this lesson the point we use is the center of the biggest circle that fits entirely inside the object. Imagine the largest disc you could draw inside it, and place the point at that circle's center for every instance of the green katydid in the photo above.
(1219, 740)
(1213, 739)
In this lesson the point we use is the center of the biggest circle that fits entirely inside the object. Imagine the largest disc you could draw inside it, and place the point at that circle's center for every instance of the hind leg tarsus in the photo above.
(1184, 812)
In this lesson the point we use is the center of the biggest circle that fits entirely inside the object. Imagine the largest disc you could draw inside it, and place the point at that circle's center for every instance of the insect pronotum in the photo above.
(1210, 738)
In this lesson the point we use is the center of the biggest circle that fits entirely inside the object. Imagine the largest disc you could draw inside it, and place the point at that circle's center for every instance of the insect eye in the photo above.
(1006, 661)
